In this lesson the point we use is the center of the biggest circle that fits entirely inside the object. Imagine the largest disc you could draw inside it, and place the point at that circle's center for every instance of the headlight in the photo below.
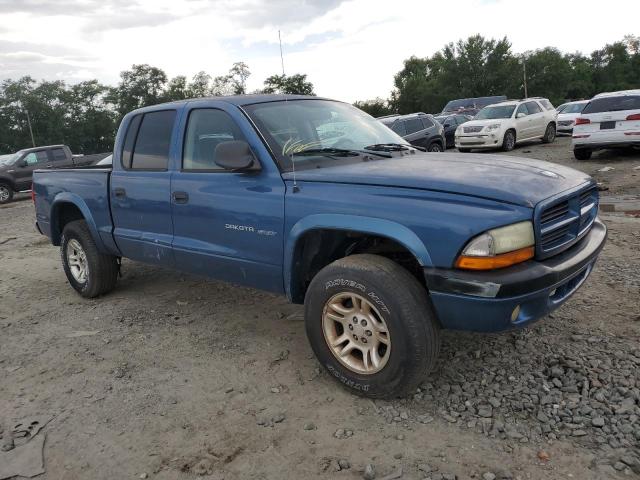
(493, 127)
(499, 248)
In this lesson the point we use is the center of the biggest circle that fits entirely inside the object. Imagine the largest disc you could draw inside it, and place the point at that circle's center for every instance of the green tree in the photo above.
(296, 84)
(376, 107)
(176, 89)
(141, 86)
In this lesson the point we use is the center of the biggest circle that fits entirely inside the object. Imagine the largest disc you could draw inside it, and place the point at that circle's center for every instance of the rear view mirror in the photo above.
(235, 155)
(521, 115)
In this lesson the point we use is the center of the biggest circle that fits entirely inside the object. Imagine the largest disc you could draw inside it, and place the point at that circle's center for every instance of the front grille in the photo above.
(472, 129)
(562, 221)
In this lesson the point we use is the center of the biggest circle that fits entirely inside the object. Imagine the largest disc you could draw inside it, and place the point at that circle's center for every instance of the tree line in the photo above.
(478, 67)
(86, 115)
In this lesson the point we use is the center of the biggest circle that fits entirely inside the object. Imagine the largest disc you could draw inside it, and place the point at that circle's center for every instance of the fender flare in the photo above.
(7, 180)
(353, 223)
(77, 201)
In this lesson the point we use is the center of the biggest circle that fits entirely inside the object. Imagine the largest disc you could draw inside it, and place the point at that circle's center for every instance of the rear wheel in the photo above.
(509, 141)
(549, 134)
(582, 153)
(6, 193)
(435, 147)
(89, 272)
(371, 326)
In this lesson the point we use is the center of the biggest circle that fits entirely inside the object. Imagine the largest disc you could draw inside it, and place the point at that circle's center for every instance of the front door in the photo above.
(536, 114)
(227, 225)
(26, 165)
(140, 189)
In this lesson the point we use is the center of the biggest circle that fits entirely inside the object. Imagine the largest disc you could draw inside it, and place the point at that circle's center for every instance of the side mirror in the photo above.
(235, 155)
(521, 115)
(22, 163)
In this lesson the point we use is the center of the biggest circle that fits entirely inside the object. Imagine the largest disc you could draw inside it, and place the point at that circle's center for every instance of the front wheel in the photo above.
(89, 272)
(549, 134)
(582, 154)
(6, 193)
(371, 326)
(509, 141)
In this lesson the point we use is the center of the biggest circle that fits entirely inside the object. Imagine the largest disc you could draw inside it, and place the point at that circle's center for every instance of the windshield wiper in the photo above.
(339, 152)
(392, 147)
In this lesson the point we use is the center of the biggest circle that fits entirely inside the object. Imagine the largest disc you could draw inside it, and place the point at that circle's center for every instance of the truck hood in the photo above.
(497, 177)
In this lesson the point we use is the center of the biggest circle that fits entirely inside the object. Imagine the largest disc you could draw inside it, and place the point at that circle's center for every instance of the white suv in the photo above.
(503, 125)
(609, 120)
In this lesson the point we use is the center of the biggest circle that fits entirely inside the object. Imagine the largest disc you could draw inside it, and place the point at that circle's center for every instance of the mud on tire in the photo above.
(101, 270)
(398, 300)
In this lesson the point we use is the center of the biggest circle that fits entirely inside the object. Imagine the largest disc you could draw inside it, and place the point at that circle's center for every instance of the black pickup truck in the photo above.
(16, 170)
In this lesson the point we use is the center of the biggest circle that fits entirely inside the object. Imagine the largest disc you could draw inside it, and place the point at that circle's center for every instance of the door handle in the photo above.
(180, 197)
(119, 192)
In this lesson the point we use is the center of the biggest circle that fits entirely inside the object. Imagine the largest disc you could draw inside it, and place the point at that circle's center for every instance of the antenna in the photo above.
(293, 164)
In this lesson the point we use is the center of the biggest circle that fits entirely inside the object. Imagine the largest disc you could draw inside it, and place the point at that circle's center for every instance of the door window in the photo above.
(413, 125)
(58, 155)
(31, 158)
(522, 109)
(533, 107)
(428, 123)
(398, 127)
(152, 143)
(206, 129)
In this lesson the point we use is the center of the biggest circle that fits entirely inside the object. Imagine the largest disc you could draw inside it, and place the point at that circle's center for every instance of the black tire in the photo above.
(6, 193)
(102, 270)
(549, 133)
(582, 153)
(464, 150)
(509, 141)
(435, 147)
(414, 335)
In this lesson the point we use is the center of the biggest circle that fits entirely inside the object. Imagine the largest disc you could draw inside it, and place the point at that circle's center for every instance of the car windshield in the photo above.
(490, 113)
(441, 120)
(295, 126)
(573, 108)
(8, 159)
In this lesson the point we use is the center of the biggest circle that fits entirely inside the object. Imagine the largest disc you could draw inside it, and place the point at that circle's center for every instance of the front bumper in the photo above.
(487, 301)
(480, 140)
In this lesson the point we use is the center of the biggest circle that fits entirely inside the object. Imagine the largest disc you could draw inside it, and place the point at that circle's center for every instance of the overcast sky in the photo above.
(349, 49)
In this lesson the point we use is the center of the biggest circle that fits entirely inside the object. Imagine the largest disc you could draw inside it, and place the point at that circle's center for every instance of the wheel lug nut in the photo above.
(368, 332)
(355, 319)
(364, 340)
(364, 323)
(350, 327)
(355, 337)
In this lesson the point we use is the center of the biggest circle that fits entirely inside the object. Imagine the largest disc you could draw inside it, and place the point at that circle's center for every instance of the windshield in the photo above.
(8, 159)
(459, 105)
(573, 108)
(490, 113)
(293, 126)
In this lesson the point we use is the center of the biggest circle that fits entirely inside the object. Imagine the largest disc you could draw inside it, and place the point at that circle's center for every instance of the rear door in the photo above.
(58, 158)
(614, 119)
(415, 132)
(536, 115)
(227, 225)
(140, 188)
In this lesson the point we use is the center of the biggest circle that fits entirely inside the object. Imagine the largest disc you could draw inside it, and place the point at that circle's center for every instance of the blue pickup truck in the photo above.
(311, 198)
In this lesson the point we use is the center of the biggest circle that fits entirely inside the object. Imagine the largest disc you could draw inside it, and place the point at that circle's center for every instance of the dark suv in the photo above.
(419, 129)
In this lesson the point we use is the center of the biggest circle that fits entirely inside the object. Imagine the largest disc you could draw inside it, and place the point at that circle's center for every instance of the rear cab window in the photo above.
(148, 140)
(57, 154)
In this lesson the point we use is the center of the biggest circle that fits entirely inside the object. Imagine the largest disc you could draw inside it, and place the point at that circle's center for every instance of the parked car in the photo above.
(450, 123)
(384, 245)
(506, 124)
(470, 106)
(609, 120)
(567, 116)
(16, 170)
(105, 162)
(419, 129)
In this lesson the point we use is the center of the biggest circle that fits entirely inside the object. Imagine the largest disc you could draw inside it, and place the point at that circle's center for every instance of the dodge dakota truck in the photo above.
(312, 198)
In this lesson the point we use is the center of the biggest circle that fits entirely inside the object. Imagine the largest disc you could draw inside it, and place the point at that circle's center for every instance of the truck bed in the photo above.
(86, 187)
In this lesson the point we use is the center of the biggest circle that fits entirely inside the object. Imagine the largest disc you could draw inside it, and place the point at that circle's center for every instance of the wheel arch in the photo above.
(5, 180)
(317, 240)
(68, 207)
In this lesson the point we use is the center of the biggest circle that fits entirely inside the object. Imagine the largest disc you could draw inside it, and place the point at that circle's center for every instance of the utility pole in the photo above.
(33, 142)
(524, 75)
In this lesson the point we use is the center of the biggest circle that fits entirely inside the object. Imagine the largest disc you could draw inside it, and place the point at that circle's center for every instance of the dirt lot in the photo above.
(173, 376)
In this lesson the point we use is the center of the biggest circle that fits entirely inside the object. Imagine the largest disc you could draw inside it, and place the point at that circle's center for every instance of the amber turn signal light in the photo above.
(497, 261)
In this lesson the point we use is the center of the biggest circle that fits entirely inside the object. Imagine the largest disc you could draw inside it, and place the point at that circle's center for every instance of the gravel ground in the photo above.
(172, 376)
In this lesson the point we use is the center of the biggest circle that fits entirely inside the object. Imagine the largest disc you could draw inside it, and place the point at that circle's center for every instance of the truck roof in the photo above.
(239, 100)
(40, 147)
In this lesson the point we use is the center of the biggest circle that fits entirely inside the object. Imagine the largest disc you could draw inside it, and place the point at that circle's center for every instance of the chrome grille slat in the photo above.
(561, 222)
